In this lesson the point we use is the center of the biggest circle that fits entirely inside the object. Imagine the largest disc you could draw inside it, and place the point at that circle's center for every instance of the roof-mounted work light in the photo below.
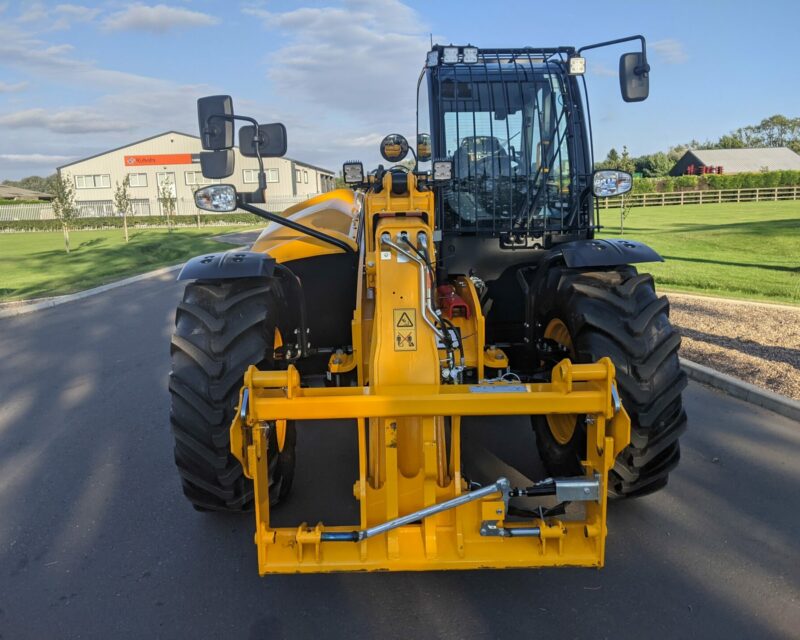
(577, 66)
(470, 55)
(450, 55)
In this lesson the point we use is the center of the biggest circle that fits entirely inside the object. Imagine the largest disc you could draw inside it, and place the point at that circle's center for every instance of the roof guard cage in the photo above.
(512, 121)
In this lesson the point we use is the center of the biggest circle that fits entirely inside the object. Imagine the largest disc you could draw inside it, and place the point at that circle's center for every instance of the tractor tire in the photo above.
(616, 313)
(221, 328)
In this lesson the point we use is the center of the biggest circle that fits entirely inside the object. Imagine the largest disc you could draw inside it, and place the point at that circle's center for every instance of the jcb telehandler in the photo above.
(467, 283)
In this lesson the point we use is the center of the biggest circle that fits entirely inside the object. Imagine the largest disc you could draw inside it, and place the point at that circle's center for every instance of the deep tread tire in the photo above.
(617, 313)
(221, 328)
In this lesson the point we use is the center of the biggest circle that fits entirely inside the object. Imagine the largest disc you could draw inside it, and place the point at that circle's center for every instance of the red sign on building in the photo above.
(158, 159)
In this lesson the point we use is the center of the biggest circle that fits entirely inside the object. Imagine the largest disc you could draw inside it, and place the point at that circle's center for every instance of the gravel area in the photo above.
(755, 342)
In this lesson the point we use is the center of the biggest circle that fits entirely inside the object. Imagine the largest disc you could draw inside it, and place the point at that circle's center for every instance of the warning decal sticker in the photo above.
(405, 329)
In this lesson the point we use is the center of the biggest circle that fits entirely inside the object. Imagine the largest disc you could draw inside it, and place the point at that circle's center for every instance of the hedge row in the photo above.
(714, 182)
(115, 222)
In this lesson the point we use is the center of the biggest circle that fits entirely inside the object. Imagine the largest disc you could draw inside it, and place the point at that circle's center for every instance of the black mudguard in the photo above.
(605, 253)
(228, 265)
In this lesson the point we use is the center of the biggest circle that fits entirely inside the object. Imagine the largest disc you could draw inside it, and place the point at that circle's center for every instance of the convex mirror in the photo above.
(607, 184)
(394, 147)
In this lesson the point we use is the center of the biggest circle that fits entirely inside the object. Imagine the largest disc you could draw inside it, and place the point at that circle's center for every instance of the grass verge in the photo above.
(748, 250)
(35, 265)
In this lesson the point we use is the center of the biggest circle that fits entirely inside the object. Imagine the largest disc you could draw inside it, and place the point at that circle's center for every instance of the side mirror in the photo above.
(217, 164)
(215, 118)
(423, 147)
(634, 77)
(272, 140)
(607, 184)
(220, 198)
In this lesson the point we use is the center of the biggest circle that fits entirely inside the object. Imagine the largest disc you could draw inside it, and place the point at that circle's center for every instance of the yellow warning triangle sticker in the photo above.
(405, 321)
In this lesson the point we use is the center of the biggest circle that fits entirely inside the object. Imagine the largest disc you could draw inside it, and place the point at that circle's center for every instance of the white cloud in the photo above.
(5, 87)
(670, 51)
(66, 121)
(347, 72)
(159, 18)
(34, 12)
(34, 158)
(599, 69)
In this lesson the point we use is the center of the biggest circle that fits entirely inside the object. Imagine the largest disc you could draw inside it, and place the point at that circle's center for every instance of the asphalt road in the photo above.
(96, 540)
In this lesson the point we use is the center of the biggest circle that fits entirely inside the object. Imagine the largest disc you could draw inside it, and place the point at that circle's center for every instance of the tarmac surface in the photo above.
(97, 541)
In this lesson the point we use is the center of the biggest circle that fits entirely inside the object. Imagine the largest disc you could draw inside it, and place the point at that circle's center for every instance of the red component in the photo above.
(690, 170)
(451, 304)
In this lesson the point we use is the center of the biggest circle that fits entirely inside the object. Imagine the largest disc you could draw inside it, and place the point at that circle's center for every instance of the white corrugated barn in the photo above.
(737, 160)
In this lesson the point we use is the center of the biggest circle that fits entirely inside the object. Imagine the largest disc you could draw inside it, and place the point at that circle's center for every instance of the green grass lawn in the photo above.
(748, 250)
(34, 265)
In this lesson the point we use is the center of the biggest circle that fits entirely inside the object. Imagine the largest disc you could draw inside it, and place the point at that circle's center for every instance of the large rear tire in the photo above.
(617, 313)
(221, 328)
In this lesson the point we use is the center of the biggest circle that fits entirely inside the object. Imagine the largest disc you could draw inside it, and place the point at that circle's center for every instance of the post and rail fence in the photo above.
(677, 198)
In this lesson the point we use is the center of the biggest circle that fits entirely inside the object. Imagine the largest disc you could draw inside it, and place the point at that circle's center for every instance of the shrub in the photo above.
(115, 222)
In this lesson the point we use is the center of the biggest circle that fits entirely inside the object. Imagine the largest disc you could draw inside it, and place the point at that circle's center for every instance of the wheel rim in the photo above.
(562, 426)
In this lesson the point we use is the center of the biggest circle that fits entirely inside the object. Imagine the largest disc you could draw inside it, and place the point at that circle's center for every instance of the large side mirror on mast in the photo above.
(634, 77)
(271, 141)
(215, 119)
(217, 164)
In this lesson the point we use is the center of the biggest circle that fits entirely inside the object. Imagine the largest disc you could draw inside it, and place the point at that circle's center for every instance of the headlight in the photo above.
(442, 170)
(353, 172)
(217, 197)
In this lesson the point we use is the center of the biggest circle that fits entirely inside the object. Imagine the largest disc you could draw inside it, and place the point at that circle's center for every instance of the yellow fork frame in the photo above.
(450, 539)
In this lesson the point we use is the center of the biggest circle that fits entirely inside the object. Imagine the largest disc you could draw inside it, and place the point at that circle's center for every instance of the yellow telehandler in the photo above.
(467, 283)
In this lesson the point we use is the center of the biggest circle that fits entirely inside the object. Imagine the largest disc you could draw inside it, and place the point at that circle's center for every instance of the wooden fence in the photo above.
(763, 194)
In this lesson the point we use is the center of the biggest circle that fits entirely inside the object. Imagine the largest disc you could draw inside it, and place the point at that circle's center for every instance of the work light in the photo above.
(470, 55)
(353, 172)
(450, 55)
(577, 66)
(442, 170)
(433, 58)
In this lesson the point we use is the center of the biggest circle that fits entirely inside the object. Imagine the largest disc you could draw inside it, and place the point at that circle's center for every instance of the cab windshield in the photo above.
(505, 127)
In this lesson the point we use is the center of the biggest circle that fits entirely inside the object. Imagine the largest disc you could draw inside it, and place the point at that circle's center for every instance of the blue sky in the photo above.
(81, 77)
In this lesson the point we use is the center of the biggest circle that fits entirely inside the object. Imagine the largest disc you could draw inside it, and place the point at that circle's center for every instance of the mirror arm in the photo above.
(262, 176)
(244, 204)
(642, 69)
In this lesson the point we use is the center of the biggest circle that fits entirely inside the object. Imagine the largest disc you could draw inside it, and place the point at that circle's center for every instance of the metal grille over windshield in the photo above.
(505, 124)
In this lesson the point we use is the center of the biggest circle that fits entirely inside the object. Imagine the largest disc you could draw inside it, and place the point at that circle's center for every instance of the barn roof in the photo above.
(748, 160)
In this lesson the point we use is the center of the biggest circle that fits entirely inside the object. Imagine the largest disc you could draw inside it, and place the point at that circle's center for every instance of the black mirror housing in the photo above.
(215, 119)
(217, 164)
(634, 77)
(272, 140)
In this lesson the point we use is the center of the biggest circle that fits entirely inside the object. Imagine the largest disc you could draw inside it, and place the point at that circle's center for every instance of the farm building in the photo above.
(171, 161)
(8, 192)
(697, 161)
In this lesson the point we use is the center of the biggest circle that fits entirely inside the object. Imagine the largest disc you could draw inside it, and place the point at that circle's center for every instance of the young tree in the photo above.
(122, 201)
(626, 163)
(167, 198)
(64, 207)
